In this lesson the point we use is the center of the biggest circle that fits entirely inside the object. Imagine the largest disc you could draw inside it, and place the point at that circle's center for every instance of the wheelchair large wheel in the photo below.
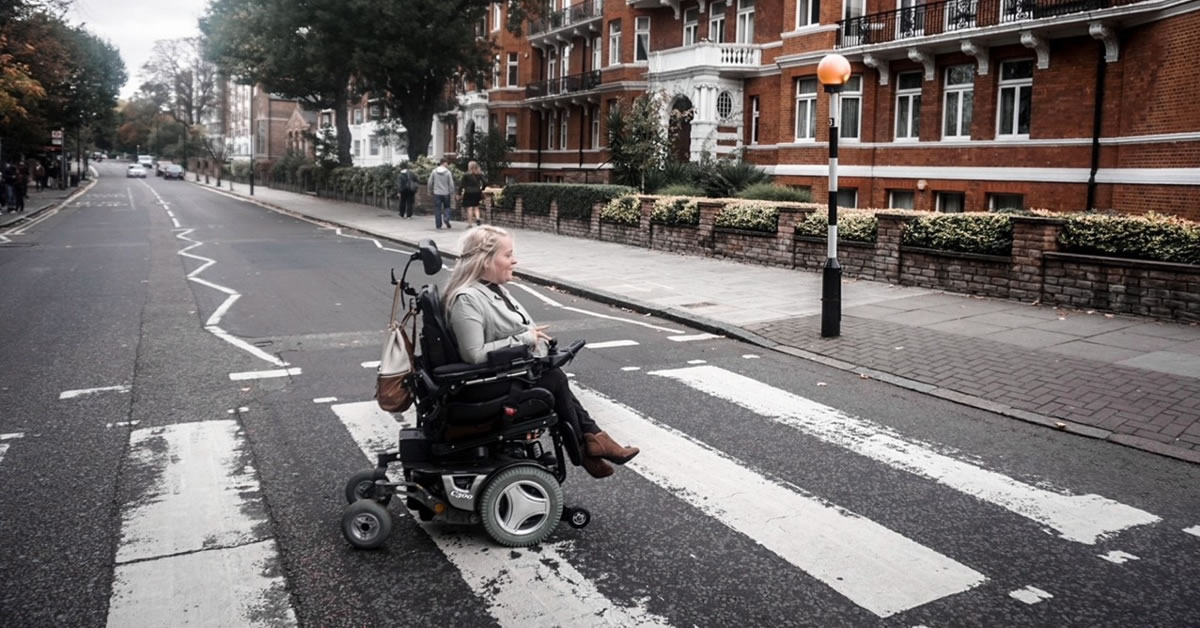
(361, 485)
(521, 506)
(366, 524)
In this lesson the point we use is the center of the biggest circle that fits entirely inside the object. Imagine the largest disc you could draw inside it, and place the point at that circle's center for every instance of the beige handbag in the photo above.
(396, 364)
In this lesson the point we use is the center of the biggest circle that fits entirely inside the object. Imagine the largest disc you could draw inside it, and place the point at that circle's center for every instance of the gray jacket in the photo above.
(441, 182)
(483, 323)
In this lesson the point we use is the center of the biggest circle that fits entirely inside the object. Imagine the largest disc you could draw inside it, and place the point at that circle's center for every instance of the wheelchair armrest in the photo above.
(508, 356)
(463, 373)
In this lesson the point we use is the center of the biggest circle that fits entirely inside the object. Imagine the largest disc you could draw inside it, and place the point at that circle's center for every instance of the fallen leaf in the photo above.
(899, 348)
(864, 376)
(1060, 426)
(245, 390)
(822, 384)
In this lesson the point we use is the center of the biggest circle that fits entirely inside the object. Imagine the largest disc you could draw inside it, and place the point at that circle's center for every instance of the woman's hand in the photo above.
(539, 334)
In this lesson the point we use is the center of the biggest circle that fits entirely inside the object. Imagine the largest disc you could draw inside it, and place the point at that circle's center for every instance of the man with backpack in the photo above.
(406, 187)
(441, 188)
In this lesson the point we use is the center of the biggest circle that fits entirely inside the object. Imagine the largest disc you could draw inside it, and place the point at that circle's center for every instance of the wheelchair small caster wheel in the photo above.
(577, 517)
(366, 524)
(361, 485)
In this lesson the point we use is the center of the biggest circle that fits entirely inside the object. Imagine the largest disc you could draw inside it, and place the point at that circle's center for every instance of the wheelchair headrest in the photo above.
(438, 344)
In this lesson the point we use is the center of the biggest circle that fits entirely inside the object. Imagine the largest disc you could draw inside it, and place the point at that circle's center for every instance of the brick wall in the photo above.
(1170, 291)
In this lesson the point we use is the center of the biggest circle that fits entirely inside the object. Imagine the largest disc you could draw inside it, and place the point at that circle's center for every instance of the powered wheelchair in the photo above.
(473, 456)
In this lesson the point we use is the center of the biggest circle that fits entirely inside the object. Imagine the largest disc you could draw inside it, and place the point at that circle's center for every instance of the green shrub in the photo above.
(724, 179)
(499, 201)
(625, 210)
(676, 211)
(853, 225)
(752, 215)
(682, 189)
(240, 168)
(1151, 237)
(987, 234)
(775, 192)
(575, 200)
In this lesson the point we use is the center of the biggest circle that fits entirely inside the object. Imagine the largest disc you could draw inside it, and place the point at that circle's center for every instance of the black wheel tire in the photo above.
(578, 518)
(531, 520)
(366, 524)
(361, 485)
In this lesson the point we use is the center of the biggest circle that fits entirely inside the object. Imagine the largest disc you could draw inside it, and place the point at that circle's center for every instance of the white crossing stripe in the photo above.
(325, 400)
(612, 343)
(194, 543)
(264, 374)
(12, 435)
(1194, 530)
(1081, 518)
(526, 587)
(874, 567)
(71, 394)
(692, 337)
(370, 365)
(1030, 595)
(1118, 557)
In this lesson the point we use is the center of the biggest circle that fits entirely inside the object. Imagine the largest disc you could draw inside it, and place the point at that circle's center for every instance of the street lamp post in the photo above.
(833, 72)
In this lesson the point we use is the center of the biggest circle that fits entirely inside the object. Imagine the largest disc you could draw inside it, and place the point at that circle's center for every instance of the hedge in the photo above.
(676, 210)
(775, 192)
(987, 234)
(853, 225)
(1151, 237)
(575, 200)
(625, 210)
(751, 215)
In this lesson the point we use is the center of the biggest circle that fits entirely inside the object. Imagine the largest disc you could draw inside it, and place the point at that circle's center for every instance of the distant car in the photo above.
(146, 161)
(173, 171)
(135, 171)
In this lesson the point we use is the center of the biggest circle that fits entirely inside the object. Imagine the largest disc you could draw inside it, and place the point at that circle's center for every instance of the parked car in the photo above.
(146, 161)
(173, 171)
(161, 167)
(135, 171)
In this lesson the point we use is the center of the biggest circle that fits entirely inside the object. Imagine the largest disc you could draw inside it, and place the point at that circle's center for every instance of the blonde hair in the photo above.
(479, 247)
(473, 168)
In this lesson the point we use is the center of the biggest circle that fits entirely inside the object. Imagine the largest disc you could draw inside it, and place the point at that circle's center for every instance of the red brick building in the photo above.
(963, 104)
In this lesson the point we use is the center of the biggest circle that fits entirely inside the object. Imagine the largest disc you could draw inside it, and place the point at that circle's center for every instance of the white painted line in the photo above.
(12, 435)
(874, 567)
(1194, 530)
(325, 400)
(1030, 595)
(3, 450)
(71, 394)
(545, 299)
(264, 374)
(612, 343)
(751, 356)
(245, 346)
(175, 221)
(624, 320)
(527, 587)
(371, 365)
(221, 587)
(631, 368)
(215, 319)
(692, 337)
(1118, 557)
(121, 424)
(697, 361)
(1081, 518)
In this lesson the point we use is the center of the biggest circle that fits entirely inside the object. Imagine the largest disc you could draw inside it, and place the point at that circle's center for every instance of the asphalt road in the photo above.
(141, 485)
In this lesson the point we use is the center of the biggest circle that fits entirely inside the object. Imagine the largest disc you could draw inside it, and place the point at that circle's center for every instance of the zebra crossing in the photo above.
(875, 568)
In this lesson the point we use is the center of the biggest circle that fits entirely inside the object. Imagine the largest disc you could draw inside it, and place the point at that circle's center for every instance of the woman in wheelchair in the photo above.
(485, 317)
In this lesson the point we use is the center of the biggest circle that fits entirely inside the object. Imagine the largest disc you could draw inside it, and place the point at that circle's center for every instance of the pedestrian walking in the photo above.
(9, 179)
(441, 188)
(21, 189)
(472, 193)
(39, 176)
(406, 186)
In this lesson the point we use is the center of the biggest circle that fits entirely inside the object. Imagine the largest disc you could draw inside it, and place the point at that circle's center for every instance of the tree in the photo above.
(488, 148)
(637, 142)
(182, 71)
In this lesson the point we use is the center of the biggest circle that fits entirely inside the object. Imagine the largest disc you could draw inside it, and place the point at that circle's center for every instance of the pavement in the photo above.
(37, 202)
(1129, 380)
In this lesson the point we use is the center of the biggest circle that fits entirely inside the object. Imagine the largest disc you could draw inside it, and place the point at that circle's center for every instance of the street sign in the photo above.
(56, 137)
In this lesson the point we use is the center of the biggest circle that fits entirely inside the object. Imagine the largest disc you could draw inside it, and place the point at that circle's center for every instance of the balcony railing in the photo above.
(947, 16)
(563, 85)
(574, 14)
(709, 54)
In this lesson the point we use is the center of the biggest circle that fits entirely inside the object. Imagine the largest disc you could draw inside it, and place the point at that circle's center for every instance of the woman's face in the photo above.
(501, 268)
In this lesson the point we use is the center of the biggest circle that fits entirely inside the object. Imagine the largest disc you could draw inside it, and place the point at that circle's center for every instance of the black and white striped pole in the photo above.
(833, 72)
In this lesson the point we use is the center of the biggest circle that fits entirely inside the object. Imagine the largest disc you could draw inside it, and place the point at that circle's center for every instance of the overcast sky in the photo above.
(134, 25)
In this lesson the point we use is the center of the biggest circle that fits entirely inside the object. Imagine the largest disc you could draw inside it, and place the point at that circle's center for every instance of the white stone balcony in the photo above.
(725, 59)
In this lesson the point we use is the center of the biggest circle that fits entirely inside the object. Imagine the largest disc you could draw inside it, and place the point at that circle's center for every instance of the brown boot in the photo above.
(596, 467)
(602, 445)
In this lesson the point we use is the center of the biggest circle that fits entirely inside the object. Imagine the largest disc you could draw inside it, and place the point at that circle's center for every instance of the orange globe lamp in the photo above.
(833, 71)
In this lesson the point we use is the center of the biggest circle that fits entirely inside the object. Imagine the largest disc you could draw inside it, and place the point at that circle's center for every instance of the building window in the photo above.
(847, 197)
(806, 109)
(691, 25)
(724, 105)
(497, 16)
(512, 69)
(908, 106)
(564, 56)
(563, 118)
(551, 65)
(358, 116)
(614, 42)
(596, 127)
(960, 101)
(641, 28)
(754, 112)
(596, 53)
(951, 202)
(495, 72)
(745, 22)
(326, 120)
(373, 146)
(1005, 202)
(549, 131)
(357, 148)
(808, 12)
(853, 8)
(716, 22)
(1016, 92)
(901, 199)
(851, 108)
(510, 129)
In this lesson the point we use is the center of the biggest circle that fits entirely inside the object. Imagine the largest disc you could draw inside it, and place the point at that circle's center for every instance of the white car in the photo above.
(135, 170)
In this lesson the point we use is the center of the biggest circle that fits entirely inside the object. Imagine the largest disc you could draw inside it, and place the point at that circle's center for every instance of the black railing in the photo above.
(955, 15)
(563, 85)
(573, 14)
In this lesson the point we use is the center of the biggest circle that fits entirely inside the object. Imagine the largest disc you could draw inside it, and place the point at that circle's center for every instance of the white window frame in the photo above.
(849, 6)
(754, 118)
(958, 110)
(564, 61)
(745, 22)
(908, 130)
(357, 148)
(641, 38)
(1017, 86)
(495, 72)
(808, 13)
(716, 22)
(691, 25)
(892, 199)
(551, 64)
(597, 50)
(510, 129)
(806, 103)
(992, 200)
(938, 196)
(496, 16)
(514, 69)
(852, 95)
(595, 126)
(848, 191)
(373, 146)
(564, 119)
(614, 42)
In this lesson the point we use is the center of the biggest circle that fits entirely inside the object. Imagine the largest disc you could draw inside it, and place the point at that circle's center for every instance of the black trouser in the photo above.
(21, 192)
(406, 203)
